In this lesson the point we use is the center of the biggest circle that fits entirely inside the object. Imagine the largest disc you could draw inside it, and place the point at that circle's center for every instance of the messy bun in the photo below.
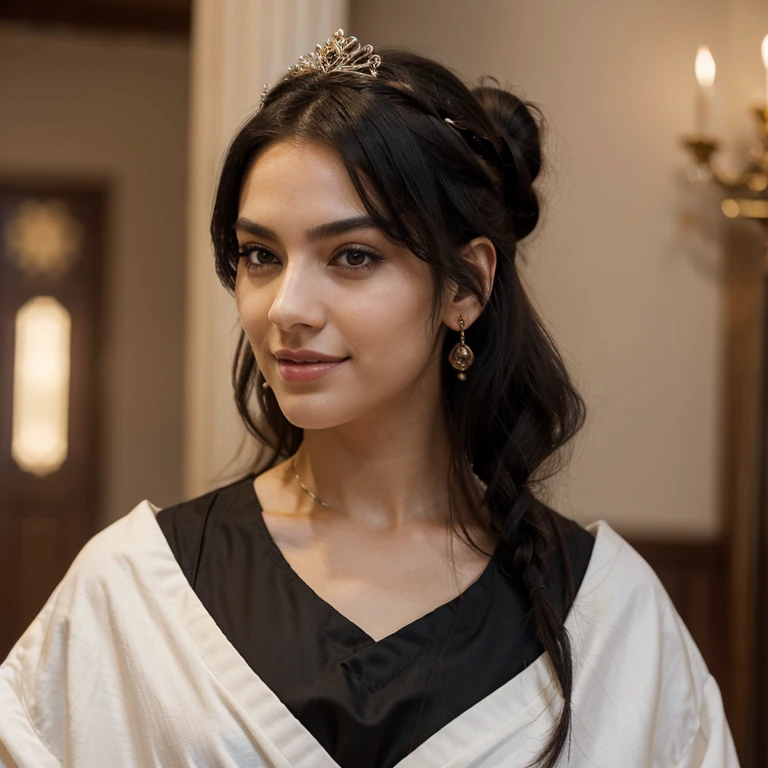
(521, 136)
(436, 164)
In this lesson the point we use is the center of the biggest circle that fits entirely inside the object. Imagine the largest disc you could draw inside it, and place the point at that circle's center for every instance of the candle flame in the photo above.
(705, 67)
(764, 51)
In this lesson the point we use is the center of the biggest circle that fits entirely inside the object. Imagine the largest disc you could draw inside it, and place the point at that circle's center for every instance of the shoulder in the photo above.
(184, 524)
(192, 511)
(621, 585)
(632, 651)
(120, 549)
(579, 542)
(96, 595)
(115, 568)
(623, 579)
(117, 545)
(571, 552)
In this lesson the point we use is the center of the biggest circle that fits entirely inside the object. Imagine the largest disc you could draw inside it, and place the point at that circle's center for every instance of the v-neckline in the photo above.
(284, 740)
(432, 626)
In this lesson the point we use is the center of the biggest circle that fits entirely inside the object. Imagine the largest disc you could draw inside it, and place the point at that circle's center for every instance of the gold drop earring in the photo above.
(461, 356)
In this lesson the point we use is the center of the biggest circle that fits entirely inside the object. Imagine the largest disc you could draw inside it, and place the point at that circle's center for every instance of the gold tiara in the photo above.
(339, 54)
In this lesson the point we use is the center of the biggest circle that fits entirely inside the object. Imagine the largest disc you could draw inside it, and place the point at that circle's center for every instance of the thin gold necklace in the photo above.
(310, 493)
(316, 498)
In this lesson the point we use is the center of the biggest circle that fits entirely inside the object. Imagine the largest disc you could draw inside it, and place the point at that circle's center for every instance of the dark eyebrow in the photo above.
(321, 231)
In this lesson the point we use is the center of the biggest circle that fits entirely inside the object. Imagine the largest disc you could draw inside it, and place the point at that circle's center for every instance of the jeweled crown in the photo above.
(339, 54)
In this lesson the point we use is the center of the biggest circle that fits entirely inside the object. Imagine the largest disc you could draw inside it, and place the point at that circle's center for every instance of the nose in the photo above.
(298, 299)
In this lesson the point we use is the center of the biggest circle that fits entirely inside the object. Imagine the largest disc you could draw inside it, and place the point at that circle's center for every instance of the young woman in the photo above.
(385, 589)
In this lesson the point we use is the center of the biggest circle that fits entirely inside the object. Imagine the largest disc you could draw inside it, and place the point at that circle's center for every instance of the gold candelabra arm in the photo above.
(703, 148)
(761, 113)
(750, 185)
(749, 208)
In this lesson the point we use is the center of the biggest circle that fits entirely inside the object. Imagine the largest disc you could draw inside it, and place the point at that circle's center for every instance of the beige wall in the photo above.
(630, 295)
(115, 109)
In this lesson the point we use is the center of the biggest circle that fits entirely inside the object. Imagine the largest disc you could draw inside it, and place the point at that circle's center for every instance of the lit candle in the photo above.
(764, 51)
(705, 75)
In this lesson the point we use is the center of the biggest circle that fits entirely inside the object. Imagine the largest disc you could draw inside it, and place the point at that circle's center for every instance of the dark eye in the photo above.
(356, 259)
(256, 257)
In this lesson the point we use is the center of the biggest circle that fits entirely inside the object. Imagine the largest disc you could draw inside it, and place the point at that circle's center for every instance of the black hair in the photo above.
(432, 184)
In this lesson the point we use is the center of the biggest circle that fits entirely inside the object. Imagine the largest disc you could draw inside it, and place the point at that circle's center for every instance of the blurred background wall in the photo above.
(111, 108)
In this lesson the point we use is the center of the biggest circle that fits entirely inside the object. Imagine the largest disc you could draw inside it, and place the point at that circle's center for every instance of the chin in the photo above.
(313, 412)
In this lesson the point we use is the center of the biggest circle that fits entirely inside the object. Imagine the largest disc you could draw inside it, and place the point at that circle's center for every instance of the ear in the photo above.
(482, 254)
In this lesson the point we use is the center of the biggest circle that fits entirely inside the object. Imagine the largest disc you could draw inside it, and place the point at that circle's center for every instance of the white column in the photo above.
(237, 46)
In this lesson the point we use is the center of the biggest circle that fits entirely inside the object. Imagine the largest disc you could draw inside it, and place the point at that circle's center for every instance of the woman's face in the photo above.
(308, 280)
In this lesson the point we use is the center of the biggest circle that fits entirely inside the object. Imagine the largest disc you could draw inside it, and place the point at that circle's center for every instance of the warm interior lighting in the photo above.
(764, 52)
(705, 67)
(41, 364)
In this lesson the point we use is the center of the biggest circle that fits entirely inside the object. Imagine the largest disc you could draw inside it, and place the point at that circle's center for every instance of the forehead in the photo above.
(298, 177)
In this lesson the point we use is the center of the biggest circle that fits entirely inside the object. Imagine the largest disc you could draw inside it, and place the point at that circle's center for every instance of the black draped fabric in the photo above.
(367, 702)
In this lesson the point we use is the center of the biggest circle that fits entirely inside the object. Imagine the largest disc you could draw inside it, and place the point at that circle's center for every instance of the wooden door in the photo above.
(51, 257)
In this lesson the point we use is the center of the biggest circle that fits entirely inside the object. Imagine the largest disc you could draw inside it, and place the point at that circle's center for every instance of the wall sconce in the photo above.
(748, 191)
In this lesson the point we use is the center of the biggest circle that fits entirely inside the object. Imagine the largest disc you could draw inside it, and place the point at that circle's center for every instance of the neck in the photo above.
(386, 475)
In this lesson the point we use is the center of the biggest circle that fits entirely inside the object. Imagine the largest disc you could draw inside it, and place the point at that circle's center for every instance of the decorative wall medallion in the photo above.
(43, 238)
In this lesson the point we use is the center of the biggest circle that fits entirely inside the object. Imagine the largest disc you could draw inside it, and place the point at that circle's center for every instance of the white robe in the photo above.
(123, 666)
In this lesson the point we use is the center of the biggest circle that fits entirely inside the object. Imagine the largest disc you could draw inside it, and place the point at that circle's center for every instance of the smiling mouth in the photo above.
(287, 361)
(306, 371)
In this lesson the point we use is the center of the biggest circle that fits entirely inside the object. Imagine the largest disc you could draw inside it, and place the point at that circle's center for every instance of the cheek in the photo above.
(390, 335)
(252, 309)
